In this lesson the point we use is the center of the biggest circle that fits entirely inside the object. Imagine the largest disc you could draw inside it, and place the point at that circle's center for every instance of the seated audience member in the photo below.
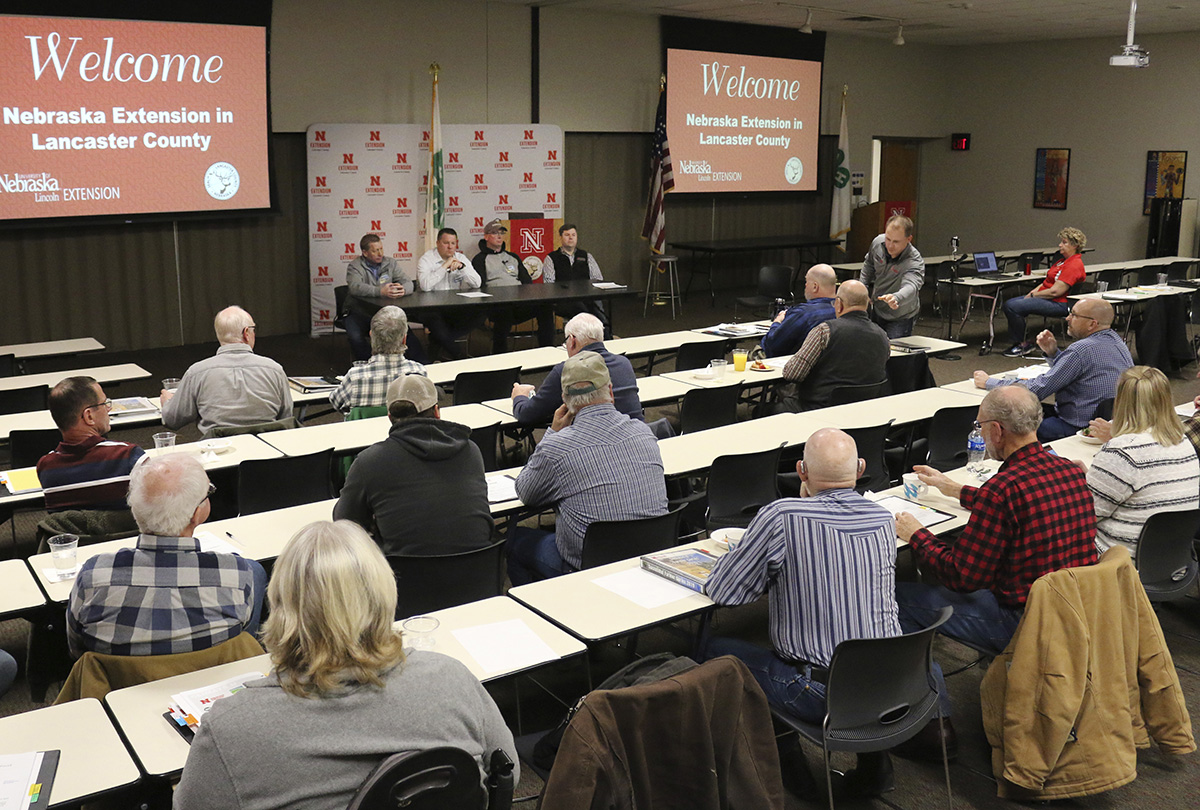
(164, 595)
(568, 262)
(1049, 297)
(233, 388)
(367, 381)
(829, 553)
(342, 696)
(791, 327)
(593, 464)
(1146, 464)
(370, 276)
(8, 672)
(584, 333)
(1080, 375)
(850, 350)
(1034, 516)
(499, 267)
(444, 268)
(421, 490)
(86, 470)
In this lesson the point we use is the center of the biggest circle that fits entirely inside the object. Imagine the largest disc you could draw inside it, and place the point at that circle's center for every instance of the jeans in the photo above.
(8, 671)
(787, 687)
(533, 555)
(901, 328)
(1015, 309)
(1055, 427)
(260, 592)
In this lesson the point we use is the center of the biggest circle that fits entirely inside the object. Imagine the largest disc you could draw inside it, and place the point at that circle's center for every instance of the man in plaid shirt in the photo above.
(367, 381)
(164, 595)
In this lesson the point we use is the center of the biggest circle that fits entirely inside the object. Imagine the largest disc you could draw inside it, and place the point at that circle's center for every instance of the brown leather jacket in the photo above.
(1085, 677)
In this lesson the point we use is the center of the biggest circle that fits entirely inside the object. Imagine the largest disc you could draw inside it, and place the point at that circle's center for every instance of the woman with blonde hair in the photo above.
(1049, 297)
(342, 695)
(1146, 464)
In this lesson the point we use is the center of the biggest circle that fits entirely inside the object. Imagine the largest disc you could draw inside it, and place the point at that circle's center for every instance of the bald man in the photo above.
(1080, 375)
(828, 562)
(850, 350)
(792, 326)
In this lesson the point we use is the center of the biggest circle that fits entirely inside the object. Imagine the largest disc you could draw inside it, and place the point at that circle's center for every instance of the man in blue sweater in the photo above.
(792, 326)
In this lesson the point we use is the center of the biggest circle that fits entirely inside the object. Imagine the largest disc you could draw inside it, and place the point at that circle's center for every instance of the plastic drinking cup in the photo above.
(717, 367)
(418, 632)
(739, 359)
(62, 550)
(166, 439)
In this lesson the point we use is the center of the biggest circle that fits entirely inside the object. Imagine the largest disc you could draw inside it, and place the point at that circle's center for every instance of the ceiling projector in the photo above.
(1130, 56)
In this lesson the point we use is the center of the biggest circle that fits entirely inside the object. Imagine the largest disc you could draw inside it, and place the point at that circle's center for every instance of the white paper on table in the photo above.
(644, 589)
(211, 542)
(17, 775)
(1187, 410)
(607, 285)
(60, 575)
(506, 646)
(501, 488)
(475, 294)
(1028, 372)
(925, 515)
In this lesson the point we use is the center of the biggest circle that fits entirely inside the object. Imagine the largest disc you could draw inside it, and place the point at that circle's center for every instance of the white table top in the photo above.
(594, 613)
(244, 447)
(731, 377)
(18, 589)
(964, 257)
(49, 348)
(902, 408)
(40, 420)
(102, 375)
(663, 389)
(1076, 449)
(93, 758)
(965, 387)
(696, 451)
(355, 434)
(931, 345)
(661, 342)
(936, 500)
(263, 535)
(1146, 293)
(528, 359)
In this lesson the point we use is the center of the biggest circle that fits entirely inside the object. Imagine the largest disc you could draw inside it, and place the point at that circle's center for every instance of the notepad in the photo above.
(925, 515)
(25, 779)
(644, 589)
(24, 479)
(607, 285)
(475, 295)
(501, 488)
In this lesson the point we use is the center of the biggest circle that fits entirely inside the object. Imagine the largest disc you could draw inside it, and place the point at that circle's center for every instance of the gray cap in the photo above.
(495, 226)
(413, 389)
(584, 373)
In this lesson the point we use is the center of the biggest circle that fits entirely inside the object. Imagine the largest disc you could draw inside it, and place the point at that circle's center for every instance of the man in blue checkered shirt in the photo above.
(367, 381)
(164, 595)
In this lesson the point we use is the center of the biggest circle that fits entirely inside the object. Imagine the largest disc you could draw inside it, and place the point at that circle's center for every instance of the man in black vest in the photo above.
(569, 263)
(850, 350)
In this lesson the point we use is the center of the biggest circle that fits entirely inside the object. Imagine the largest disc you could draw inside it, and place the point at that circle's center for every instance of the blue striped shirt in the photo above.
(604, 466)
(829, 564)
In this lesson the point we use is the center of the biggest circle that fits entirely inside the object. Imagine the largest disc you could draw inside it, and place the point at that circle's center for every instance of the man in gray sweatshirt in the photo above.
(895, 271)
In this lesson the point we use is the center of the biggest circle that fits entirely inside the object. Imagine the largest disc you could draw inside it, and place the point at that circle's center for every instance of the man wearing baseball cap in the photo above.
(420, 491)
(499, 267)
(595, 463)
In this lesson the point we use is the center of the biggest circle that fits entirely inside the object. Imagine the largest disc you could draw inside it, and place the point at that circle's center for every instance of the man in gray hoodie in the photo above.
(894, 272)
(420, 491)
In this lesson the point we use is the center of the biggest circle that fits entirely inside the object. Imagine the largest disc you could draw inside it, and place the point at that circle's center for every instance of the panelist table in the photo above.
(755, 244)
(102, 375)
(93, 761)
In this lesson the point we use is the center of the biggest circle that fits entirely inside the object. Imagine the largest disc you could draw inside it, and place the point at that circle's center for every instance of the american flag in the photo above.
(661, 179)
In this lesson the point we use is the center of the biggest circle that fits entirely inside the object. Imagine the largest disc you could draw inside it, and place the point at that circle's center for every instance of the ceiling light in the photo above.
(899, 40)
(807, 27)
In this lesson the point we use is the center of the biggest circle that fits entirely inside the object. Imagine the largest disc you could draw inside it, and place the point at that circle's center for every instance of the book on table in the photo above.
(23, 479)
(128, 406)
(689, 567)
(307, 385)
(26, 779)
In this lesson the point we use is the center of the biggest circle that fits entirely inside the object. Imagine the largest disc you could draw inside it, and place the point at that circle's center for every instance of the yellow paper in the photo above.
(22, 480)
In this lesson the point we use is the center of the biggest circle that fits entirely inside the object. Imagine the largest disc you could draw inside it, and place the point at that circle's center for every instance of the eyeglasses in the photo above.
(106, 404)
(1074, 314)
(980, 423)
(212, 489)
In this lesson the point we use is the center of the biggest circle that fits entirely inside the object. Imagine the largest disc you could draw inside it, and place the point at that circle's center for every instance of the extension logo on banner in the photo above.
(533, 240)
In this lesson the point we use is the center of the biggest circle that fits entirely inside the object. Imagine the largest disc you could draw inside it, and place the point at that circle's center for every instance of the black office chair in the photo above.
(699, 354)
(27, 446)
(908, 372)
(880, 694)
(705, 408)
(740, 485)
(486, 439)
(1030, 262)
(1178, 271)
(1149, 275)
(20, 400)
(442, 778)
(1164, 552)
(1105, 409)
(426, 584)
(8, 365)
(479, 386)
(846, 394)
(948, 431)
(871, 442)
(340, 293)
(608, 541)
(277, 483)
(775, 281)
(1110, 277)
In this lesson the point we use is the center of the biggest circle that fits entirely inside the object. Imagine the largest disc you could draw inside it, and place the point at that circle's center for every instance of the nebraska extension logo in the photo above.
(319, 142)
(348, 209)
(528, 142)
(402, 164)
(349, 251)
(452, 162)
(320, 187)
(322, 232)
(503, 163)
(452, 205)
(402, 251)
(480, 142)
(374, 142)
(502, 203)
(348, 164)
(477, 227)
(402, 208)
(480, 185)
(551, 203)
(375, 186)
(552, 161)
(527, 182)
(323, 276)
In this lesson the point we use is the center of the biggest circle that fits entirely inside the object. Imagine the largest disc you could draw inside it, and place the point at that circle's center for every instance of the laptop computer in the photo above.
(986, 266)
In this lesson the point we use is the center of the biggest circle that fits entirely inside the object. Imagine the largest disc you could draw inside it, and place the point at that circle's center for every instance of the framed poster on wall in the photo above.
(1050, 175)
(1165, 175)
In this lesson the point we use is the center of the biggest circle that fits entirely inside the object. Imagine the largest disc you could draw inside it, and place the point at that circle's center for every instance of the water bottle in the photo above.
(975, 448)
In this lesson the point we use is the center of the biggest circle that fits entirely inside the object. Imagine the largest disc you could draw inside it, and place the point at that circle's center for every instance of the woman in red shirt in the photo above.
(1049, 298)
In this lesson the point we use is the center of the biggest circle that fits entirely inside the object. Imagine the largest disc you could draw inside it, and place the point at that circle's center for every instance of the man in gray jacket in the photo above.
(373, 275)
(896, 271)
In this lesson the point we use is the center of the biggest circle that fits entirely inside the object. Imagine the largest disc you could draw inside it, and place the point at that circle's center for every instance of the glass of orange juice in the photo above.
(739, 359)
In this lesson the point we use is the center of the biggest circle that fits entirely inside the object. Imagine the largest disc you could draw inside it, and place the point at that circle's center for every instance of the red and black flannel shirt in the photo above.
(1034, 516)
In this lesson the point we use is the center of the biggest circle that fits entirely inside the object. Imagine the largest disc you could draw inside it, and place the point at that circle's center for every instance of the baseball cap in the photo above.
(495, 226)
(584, 373)
(414, 389)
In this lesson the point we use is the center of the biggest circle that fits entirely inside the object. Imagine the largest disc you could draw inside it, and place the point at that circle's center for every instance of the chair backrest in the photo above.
(1177, 271)
(880, 690)
(478, 386)
(776, 281)
(426, 584)
(1030, 260)
(608, 541)
(27, 446)
(1164, 547)
(433, 779)
(740, 485)
(846, 394)
(276, 483)
(1111, 277)
(340, 294)
(698, 354)
(948, 433)
(20, 400)
(908, 372)
(1149, 275)
(220, 431)
(1104, 410)
(8, 365)
(870, 442)
(705, 408)
(485, 439)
